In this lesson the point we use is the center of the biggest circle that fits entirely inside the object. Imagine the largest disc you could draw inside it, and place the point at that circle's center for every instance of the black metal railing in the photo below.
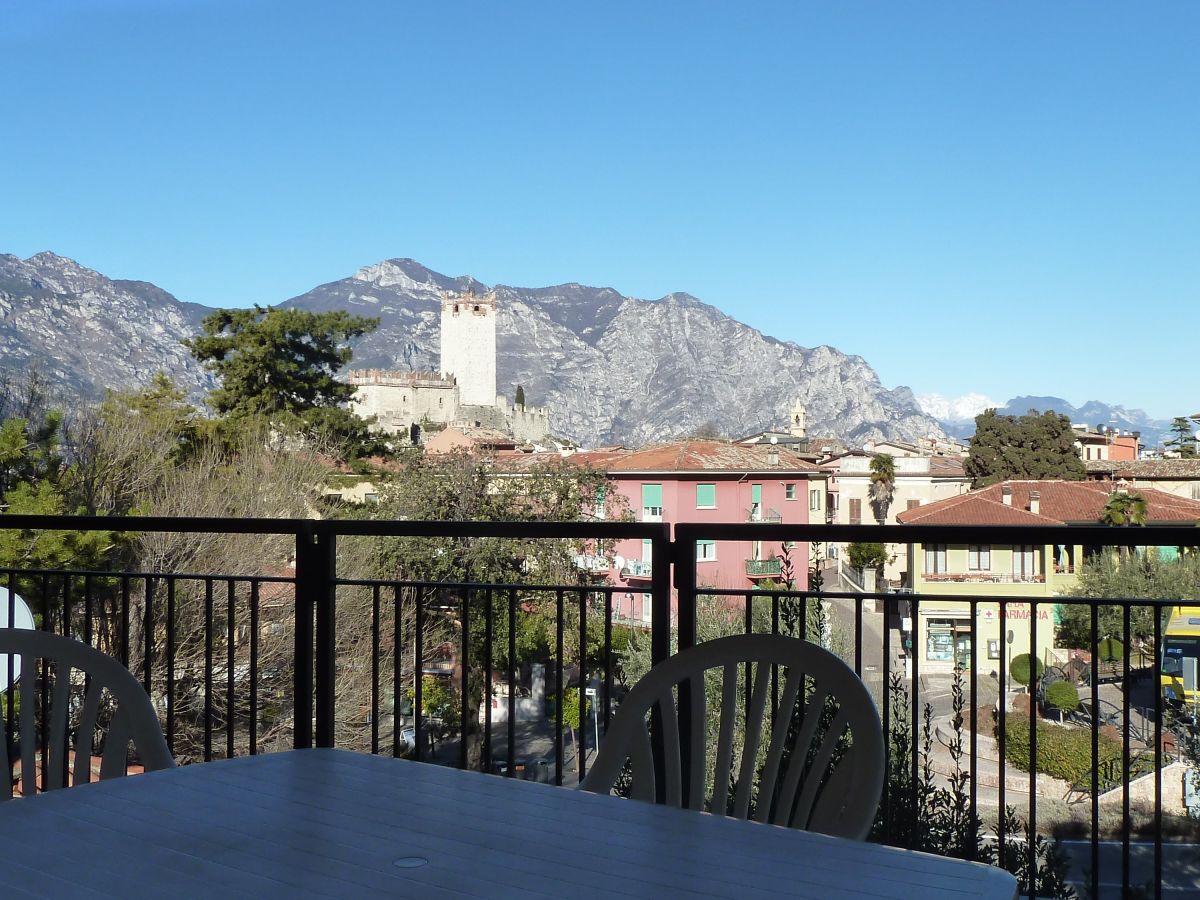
(520, 675)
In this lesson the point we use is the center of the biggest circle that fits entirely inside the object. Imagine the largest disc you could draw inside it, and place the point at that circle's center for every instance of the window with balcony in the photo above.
(935, 559)
(706, 496)
(789, 491)
(706, 551)
(979, 558)
(1024, 562)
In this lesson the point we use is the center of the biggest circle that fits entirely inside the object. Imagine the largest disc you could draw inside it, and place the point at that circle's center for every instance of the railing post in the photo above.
(663, 556)
(302, 717)
(684, 570)
(324, 557)
(316, 638)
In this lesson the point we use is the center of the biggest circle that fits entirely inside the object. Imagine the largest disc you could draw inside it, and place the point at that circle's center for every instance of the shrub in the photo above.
(867, 554)
(1063, 696)
(1066, 752)
(1020, 666)
(1111, 648)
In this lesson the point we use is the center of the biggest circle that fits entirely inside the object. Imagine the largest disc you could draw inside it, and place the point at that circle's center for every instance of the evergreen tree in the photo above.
(1184, 440)
(274, 360)
(1030, 446)
(519, 400)
(282, 363)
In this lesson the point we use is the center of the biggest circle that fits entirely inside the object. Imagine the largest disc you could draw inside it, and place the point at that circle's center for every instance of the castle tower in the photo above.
(469, 346)
(798, 425)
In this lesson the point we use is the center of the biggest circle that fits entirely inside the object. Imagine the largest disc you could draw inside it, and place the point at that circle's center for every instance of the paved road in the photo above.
(1181, 869)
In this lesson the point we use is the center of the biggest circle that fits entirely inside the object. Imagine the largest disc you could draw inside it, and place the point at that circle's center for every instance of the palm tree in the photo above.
(883, 484)
(1124, 508)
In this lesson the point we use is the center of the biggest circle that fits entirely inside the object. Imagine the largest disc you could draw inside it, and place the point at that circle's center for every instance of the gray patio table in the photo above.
(331, 823)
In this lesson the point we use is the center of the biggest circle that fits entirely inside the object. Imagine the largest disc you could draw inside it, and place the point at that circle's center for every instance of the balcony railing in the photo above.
(763, 568)
(637, 570)
(984, 577)
(326, 654)
(768, 516)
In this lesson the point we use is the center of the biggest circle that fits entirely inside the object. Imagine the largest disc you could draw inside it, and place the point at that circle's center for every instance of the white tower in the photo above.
(469, 346)
(798, 425)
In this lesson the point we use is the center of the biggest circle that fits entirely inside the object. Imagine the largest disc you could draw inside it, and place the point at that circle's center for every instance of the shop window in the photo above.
(939, 640)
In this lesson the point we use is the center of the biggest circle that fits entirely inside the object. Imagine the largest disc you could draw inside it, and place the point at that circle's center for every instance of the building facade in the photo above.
(711, 481)
(947, 576)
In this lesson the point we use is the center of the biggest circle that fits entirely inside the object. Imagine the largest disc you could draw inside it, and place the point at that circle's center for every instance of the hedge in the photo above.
(1065, 752)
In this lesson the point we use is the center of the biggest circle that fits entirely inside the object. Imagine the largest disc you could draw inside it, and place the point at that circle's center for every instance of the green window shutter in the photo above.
(706, 495)
(652, 495)
(756, 493)
(647, 550)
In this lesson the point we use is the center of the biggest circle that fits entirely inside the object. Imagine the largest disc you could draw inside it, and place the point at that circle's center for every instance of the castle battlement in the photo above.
(396, 378)
(468, 302)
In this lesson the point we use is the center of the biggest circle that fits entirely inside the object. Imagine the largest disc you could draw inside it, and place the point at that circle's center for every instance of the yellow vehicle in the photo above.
(1180, 657)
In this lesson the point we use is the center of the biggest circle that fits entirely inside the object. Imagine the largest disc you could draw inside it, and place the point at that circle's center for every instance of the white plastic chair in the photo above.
(133, 719)
(840, 800)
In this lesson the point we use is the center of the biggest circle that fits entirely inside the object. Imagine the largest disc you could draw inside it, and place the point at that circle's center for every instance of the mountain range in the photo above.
(611, 368)
(957, 415)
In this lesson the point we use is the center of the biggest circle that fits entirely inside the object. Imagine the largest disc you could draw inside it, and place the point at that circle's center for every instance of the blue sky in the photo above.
(991, 197)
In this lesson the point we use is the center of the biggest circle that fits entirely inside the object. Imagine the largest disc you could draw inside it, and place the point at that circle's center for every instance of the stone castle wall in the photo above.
(398, 399)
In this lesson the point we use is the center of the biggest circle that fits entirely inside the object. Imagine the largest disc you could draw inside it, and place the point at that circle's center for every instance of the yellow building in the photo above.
(1014, 574)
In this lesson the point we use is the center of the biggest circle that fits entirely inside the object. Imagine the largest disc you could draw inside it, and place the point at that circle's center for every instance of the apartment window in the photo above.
(935, 559)
(706, 496)
(599, 503)
(647, 607)
(1196, 491)
(652, 503)
(979, 558)
(1024, 561)
(814, 498)
(789, 491)
(706, 551)
(855, 511)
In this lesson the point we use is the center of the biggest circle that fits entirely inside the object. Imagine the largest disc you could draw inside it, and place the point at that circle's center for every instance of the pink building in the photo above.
(710, 481)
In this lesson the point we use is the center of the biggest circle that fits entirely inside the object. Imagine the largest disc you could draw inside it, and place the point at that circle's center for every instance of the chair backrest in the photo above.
(133, 716)
(822, 770)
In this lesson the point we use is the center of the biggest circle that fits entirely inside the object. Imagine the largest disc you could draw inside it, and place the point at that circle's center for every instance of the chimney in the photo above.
(1035, 502)
(1006, 494)
(772, 457)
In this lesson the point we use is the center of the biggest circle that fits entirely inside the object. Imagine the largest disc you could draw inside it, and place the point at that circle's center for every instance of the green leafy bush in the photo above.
(1020, 666)
(1111, 648)
(1063, 696)
(1065, 752)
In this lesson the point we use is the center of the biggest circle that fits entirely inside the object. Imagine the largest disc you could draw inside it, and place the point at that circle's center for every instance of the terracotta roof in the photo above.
(709, 456)
(1144, 468)
(678, 456)
(1061, 502)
